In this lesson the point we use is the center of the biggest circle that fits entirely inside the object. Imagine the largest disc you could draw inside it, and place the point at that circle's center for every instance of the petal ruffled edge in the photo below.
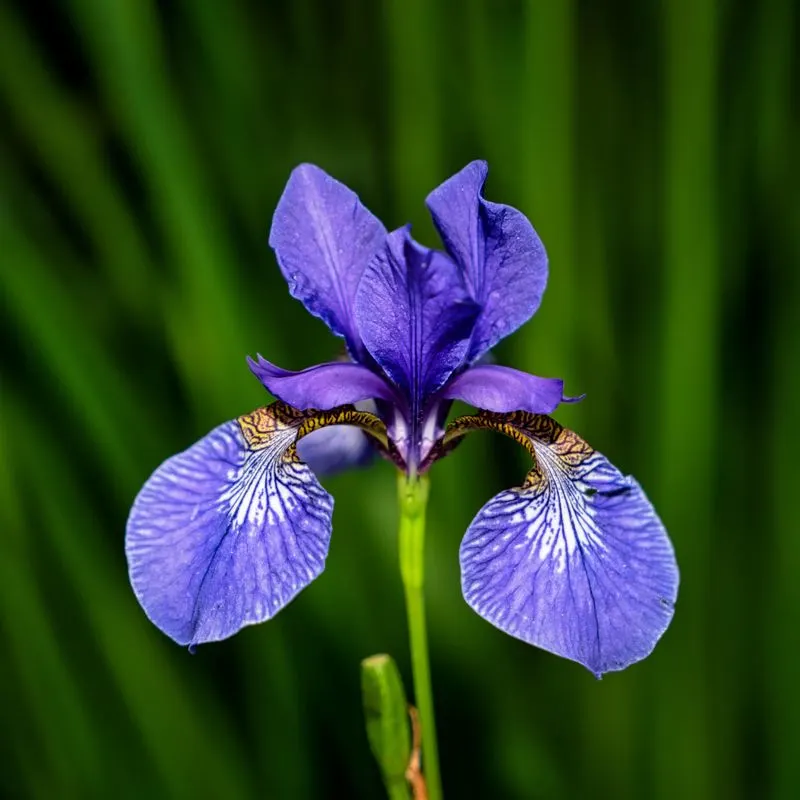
(500, 253)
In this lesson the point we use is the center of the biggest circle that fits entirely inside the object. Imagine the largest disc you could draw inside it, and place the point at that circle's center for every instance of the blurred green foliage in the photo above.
(143, 147)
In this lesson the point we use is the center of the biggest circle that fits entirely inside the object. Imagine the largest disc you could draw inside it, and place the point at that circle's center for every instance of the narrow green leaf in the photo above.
(686, 429)
(386, 716)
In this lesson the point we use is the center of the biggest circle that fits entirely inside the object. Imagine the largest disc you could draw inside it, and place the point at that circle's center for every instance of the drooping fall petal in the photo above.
(226, 533)
(576, 561)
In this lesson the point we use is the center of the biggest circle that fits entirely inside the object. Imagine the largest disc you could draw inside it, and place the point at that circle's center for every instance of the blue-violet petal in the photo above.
(323, 386)
(503, 259)
(496, 388)
(336, 449)
(324, 237)
(576, 561)
(226, 533)
(414, 316)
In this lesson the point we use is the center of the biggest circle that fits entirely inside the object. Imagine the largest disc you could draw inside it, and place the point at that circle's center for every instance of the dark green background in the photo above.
(143, 147)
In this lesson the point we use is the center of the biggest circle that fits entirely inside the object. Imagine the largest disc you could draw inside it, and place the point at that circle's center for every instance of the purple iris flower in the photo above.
(225, 534)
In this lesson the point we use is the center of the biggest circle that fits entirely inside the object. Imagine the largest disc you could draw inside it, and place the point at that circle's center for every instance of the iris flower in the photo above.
(225, 534)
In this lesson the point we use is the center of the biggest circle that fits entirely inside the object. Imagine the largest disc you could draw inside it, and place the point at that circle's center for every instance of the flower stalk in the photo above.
(413, 499)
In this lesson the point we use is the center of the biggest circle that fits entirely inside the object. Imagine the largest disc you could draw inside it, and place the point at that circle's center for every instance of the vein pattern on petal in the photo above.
(226, 533)
(575, 561)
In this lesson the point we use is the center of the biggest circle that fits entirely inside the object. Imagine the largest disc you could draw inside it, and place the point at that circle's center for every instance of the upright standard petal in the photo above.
(414, 316)
(503, 259)
(575, 561)
(226, 533)
(496, 388)
(324, 237)
(324, 386)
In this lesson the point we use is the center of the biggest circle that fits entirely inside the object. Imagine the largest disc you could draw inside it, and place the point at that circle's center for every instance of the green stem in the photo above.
(413, 498)
(397, 791)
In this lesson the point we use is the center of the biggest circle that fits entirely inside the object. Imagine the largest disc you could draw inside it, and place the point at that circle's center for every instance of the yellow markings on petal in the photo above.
(260, 427)
(526, 429)
(568, 449)
(491, 421)
(344, 415)
(290, 456)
